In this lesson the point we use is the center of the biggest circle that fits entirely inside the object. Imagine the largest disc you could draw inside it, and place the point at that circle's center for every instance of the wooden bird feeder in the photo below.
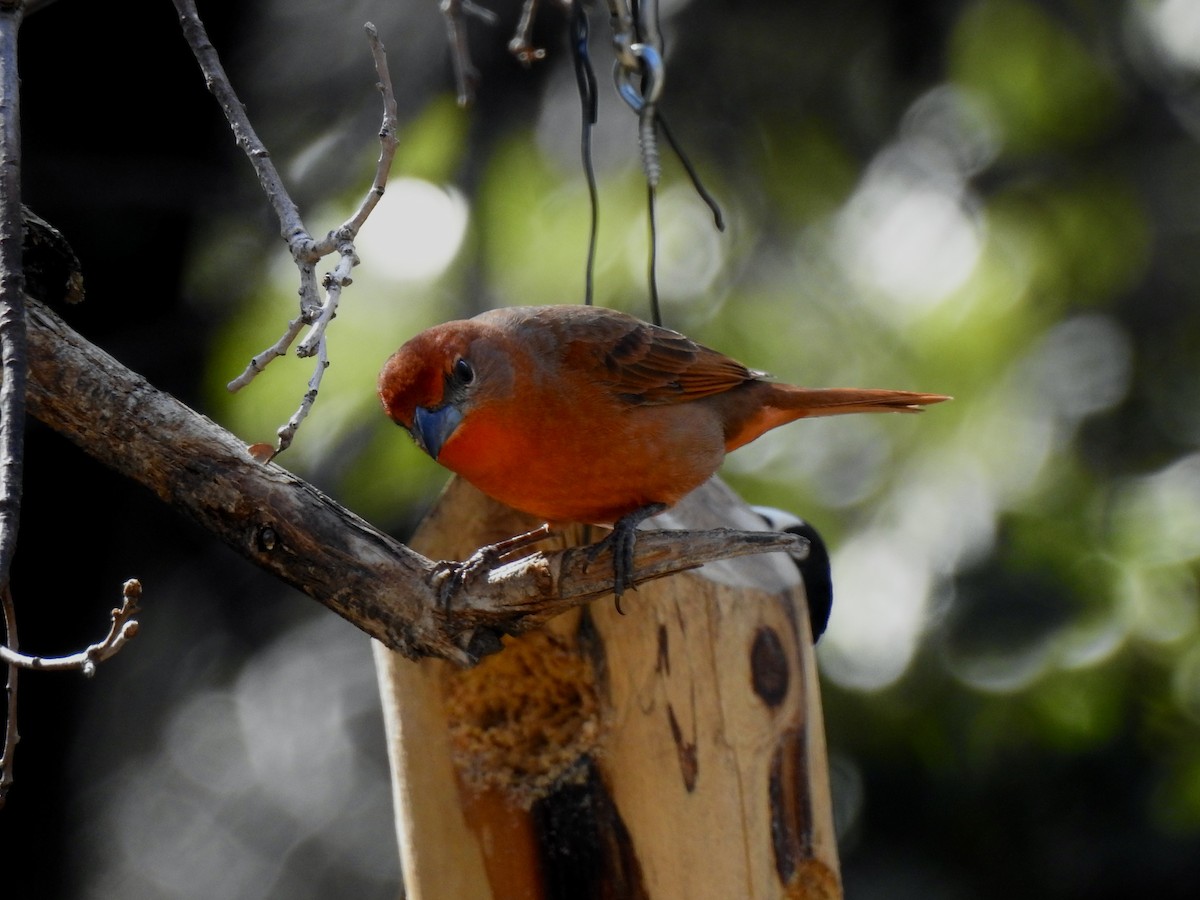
(674, 751)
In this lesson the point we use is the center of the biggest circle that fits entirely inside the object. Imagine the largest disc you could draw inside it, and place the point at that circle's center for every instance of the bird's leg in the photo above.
(621, 539)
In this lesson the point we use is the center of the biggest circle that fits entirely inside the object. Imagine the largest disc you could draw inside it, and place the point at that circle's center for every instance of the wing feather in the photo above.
(647, 365)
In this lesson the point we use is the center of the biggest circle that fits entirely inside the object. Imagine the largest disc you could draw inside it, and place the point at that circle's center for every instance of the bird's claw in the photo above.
(622, 550)
(621, 541)
(451, 577)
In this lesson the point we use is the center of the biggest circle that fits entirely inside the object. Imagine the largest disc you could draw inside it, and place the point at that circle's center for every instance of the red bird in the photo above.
(584, 414)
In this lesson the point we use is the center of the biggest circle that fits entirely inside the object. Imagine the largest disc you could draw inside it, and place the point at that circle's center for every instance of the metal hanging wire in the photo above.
(639, 73)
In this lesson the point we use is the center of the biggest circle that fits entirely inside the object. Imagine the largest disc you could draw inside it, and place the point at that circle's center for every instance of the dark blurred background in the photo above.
(995, 199)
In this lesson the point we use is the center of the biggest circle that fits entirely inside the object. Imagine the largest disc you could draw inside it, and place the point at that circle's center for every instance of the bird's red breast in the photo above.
(585, 414)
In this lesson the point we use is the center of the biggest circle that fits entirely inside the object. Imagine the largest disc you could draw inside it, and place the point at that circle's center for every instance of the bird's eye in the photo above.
(463, 371)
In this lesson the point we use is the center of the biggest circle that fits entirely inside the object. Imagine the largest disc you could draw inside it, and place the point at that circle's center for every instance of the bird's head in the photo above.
(430, 384)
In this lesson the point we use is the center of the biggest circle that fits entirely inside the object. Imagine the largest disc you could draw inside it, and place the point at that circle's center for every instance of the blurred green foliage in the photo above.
(1043, 87)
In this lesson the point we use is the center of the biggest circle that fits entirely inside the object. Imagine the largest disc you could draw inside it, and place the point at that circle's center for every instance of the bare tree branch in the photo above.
(11, 734)
(303, 247)
(12, 291)
(414, 605)
(122, 629)
(387, 142)
(305, 250)
(455, 13)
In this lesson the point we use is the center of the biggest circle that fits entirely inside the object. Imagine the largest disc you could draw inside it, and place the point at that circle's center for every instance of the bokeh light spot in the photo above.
(415, 231)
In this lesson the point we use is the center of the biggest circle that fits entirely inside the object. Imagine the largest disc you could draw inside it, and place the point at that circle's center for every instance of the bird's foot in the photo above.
(621, 541)
(455, 576)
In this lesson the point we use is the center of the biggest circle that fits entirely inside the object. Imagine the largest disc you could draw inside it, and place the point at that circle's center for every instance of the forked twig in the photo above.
(316, 310)
(521, 46)
(122, 629)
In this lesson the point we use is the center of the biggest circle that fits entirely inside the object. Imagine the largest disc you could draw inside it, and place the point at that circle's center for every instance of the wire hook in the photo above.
(648, 63)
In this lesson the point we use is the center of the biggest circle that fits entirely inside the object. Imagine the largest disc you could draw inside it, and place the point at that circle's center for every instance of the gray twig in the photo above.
(316, 312)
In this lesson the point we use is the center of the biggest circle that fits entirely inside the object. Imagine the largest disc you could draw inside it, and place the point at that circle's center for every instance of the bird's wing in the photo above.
(646, 365)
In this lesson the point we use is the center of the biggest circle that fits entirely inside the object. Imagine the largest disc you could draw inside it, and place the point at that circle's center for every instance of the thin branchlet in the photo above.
(319, 297)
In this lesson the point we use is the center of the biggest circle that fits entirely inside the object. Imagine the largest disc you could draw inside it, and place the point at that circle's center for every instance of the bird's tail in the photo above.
(802, 402)
(778, 404)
